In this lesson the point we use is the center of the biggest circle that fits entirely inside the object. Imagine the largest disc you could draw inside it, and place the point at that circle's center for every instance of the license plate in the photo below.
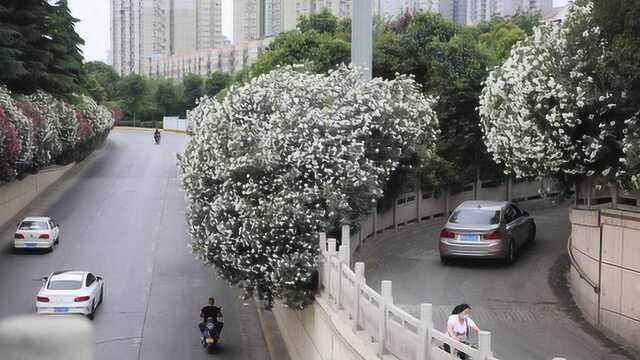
(466, 237)
(30, 245)
(61, 310)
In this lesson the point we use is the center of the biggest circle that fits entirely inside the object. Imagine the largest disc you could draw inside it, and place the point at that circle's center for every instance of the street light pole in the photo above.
(361, 36)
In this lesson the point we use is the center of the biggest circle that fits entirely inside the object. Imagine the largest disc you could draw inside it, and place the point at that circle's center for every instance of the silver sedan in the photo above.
(486, 229)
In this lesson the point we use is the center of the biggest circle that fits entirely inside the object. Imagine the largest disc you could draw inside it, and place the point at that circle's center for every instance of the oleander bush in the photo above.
(287, 155)
(39, 130)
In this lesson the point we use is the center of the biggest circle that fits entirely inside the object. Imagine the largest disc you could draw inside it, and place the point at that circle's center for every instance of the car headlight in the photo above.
(210, 326)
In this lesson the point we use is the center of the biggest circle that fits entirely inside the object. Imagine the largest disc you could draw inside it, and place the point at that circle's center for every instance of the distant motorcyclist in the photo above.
(156, 136)
(211, 311)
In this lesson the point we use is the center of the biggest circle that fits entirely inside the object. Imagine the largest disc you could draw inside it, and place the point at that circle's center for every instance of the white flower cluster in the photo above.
(286, 156)
(537, 110)
(99, 116)
(630, 164)
(22, 123)
(52, 145)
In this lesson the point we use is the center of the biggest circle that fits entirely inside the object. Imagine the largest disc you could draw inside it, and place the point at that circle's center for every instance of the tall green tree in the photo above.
(215, 83)
(63, 43)
(133, 92)
(10, 39)
(498, 42)
(193, 89)
(166, 98)
(105, 75)
(31, 19)
(322, 22)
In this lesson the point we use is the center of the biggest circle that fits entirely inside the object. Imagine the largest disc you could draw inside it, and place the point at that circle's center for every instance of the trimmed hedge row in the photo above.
(40, 130)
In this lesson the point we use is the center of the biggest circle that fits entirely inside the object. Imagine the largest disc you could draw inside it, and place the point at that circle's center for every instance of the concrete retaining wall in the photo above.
(16, 195)
(606, 248)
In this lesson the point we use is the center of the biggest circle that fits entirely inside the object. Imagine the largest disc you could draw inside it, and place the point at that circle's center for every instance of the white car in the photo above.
(36, 233)
(70, 292)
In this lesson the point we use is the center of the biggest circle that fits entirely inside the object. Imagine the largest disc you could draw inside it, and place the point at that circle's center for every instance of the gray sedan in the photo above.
(486, 229)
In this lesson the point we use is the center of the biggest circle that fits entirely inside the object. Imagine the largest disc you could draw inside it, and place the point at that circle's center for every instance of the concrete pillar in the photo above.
(345, 246)
(387, 298)
(331, 253)
(484, 344)
(418, 202)
(509, 185)
(323, 242)
(359, 270)
(362, 36)
(375, 221)
(426, 323)
(395, 214)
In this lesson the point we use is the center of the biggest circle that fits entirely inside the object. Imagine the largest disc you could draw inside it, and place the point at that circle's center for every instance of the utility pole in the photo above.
(361, 36)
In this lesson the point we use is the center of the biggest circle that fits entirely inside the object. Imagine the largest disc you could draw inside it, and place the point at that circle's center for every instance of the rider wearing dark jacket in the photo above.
(211, 311)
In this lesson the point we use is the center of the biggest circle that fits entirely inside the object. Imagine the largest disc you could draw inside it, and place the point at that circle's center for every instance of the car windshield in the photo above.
(65, 284)
(475, 217)
(33, 225)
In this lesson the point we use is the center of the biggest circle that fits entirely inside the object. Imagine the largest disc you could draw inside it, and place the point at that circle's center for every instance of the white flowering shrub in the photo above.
(630, 162)
(286, 156)
(51, 142)
(100, 118)
(545, 111)
(22, 124)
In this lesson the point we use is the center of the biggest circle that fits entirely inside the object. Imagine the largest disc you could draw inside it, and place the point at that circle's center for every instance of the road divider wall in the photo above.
(605, 269)
(16, 195)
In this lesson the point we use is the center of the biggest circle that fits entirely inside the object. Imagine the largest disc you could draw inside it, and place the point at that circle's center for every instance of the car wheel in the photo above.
(58, 240)
(444, 260)
(532, 235)
(511, 254)
(101, 295)
(93, 310)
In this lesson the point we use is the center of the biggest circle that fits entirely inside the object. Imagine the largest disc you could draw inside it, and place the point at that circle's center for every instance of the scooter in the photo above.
(211, 334)
(157, 139)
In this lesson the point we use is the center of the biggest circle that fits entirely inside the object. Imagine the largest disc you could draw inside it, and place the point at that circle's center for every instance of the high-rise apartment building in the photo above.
(248, 20)
(484, 10)
(273, 17)
(146, 29)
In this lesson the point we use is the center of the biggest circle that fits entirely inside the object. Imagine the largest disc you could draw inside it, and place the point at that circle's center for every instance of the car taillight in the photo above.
(43, 236)
(496, 235)
(18, 236)
(42, 299)
(447, 234)
(81, 299)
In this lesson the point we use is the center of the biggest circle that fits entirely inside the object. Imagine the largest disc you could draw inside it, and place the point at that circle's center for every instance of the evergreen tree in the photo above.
(10, 62)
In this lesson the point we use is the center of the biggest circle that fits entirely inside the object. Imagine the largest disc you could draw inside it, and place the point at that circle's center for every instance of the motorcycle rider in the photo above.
(211, 311)
(156, 135)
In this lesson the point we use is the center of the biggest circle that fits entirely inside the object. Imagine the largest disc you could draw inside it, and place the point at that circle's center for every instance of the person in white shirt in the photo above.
(459, 324)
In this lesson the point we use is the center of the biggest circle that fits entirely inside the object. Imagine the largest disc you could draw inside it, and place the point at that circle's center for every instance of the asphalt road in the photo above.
(526, 306)
(122, 216)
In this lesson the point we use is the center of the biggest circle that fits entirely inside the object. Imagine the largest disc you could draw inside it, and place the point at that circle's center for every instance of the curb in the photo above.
(271, 334)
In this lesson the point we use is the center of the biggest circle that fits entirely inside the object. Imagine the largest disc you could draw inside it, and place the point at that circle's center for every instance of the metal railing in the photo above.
(583, 275)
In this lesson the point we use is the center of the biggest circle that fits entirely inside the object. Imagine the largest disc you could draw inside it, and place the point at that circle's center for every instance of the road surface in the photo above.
(122, 216)
(526, 306)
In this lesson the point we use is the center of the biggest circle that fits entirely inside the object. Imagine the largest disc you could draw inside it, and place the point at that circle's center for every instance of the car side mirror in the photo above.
(44, 280)
(526, 213)
(99, 277)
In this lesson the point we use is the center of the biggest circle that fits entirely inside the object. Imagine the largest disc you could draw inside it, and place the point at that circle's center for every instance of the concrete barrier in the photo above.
(605, 271)
(16, 195)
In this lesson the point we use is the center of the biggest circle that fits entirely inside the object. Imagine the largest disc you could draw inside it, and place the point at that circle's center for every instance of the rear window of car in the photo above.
(65, 284)
(475, 217)
(34, 225)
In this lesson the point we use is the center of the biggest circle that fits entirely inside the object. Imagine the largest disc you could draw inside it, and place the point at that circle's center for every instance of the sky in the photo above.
(94, 24)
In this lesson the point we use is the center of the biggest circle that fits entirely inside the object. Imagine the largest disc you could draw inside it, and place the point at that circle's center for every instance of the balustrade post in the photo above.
(322, 262)
(331, 253)
(375, 222)
(346, 245)
(418, 202)
(387, 298)
(484, 345)
(395, 214)
(359, 269)
(426, 323)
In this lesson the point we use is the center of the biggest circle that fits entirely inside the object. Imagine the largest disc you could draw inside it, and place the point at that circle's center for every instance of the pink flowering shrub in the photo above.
(9, 148)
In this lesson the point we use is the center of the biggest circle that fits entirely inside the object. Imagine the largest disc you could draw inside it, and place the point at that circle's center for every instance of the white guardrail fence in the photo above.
(377, 320)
